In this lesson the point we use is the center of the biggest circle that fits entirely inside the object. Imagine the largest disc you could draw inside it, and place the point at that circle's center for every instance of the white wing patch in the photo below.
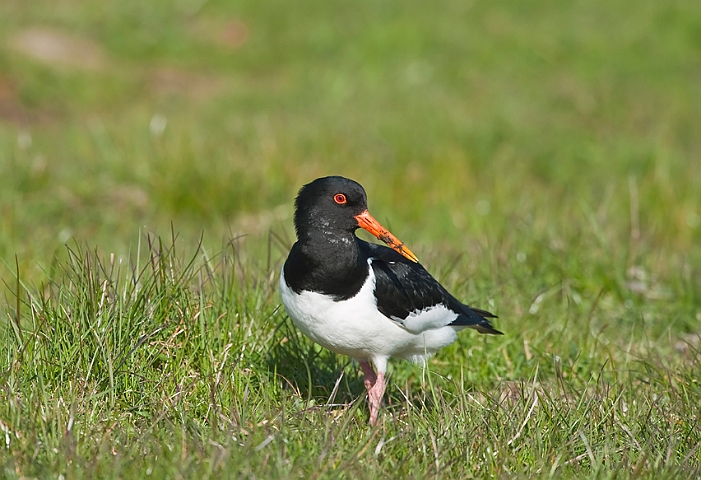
(429, 318)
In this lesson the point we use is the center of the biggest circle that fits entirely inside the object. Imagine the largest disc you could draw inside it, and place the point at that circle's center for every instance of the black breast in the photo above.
(339, 273)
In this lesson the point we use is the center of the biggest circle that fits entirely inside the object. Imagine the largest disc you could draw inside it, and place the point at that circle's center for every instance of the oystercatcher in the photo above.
(364, 300)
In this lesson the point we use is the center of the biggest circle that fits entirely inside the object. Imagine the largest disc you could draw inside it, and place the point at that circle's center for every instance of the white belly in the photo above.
(356, 328)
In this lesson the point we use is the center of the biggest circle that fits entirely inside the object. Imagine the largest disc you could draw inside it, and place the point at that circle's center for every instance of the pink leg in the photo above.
(369, 374)
(375, 385)
(375, 397)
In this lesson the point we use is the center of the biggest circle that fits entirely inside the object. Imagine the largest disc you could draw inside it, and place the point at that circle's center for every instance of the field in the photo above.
(542, 159)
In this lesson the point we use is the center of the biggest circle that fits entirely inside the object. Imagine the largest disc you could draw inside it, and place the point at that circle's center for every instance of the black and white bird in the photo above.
(364, 300)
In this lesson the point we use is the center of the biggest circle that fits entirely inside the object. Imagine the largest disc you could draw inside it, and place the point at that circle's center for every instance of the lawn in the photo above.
(542, 159)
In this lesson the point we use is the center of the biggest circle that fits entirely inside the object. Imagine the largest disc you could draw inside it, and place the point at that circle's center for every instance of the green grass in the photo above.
(541, 158)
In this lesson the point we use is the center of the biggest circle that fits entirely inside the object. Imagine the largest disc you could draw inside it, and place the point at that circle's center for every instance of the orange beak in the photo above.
(367, 222)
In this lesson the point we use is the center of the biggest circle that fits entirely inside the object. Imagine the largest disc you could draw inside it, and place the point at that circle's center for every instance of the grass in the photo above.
(540, 158)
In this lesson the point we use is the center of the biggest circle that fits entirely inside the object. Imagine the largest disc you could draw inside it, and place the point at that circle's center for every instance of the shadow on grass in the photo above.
(321, 377)
(310, 370)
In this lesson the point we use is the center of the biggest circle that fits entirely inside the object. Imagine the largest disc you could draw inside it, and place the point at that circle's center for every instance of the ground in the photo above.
(541, 158)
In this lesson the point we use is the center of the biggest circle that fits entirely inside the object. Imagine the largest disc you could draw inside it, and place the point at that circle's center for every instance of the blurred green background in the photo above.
(460, 118)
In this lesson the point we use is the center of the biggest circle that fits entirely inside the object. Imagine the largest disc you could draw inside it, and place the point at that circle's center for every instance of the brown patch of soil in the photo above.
(231, 34)
(13, 111)
(59, 49)
(10, 109)
(234, 34)
(171, 81)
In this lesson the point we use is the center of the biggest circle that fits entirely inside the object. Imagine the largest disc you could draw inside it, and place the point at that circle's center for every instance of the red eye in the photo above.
(339, 198)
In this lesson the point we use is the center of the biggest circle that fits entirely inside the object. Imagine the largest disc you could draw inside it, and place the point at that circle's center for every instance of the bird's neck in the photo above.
(328, 263)
(330, 250)
(329, 240)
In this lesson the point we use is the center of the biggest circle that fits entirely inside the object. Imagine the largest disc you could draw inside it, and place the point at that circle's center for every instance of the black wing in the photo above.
(403, 288)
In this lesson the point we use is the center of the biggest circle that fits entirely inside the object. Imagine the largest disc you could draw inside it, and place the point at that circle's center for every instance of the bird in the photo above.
(368, 301)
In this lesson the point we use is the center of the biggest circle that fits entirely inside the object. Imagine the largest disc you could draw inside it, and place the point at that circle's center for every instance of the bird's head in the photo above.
(338, 205)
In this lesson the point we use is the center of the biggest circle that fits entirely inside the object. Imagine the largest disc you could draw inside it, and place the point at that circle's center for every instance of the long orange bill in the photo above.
(367, 222)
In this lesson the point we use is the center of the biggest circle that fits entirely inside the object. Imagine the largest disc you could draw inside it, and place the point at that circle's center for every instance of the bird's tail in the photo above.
(486, 327)
(476, 319)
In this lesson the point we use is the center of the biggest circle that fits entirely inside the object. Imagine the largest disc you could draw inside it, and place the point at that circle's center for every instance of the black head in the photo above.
(338, 206)
(330, 205)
